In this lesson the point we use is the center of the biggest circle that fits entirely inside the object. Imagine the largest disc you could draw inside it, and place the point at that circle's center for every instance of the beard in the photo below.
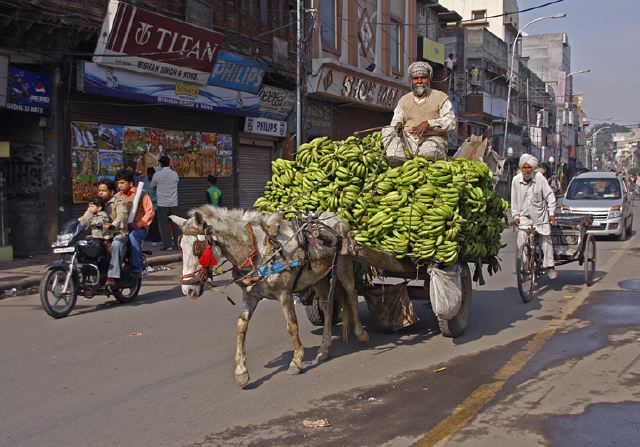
(527, 177)
(420, 90)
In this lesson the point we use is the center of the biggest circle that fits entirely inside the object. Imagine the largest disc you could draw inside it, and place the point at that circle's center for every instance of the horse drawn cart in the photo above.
(390, 304)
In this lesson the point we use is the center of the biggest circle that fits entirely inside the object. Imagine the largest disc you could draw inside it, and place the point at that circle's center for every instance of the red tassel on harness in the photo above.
(208, 259)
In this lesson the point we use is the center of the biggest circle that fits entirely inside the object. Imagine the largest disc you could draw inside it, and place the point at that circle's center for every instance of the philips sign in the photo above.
(264, 126)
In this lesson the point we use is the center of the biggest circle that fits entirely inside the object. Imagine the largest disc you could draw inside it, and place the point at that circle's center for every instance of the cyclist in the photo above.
(534, 203)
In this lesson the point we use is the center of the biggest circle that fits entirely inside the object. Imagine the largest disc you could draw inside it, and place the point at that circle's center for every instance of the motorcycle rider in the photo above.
(143, 216)
(116, 209)
(534, 203)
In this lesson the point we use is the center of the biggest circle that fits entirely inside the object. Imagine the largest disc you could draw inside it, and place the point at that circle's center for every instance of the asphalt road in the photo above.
(160, 372)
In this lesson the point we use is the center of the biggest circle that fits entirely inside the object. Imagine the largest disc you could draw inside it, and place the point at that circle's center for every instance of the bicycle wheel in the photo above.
(526, 273)
(589, 261)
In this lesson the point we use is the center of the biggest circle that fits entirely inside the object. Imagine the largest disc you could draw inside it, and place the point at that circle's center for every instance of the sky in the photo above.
(604, 36)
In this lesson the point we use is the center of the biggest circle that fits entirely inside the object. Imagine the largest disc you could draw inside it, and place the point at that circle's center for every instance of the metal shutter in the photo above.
(254, 171)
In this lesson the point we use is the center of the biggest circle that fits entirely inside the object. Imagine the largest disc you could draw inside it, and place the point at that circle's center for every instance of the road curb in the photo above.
(33, 281)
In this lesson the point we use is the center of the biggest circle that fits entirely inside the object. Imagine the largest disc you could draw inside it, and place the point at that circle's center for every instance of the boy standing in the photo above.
(213, 192)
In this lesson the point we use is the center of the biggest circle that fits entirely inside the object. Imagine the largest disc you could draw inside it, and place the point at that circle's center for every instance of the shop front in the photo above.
(146, 117)
(28, 187)
(359, 101)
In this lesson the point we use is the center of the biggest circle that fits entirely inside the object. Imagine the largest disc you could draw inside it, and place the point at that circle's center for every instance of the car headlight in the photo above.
(566, 209)
(615, 211)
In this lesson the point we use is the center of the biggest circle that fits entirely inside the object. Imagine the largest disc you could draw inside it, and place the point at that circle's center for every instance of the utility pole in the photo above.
(299, 57)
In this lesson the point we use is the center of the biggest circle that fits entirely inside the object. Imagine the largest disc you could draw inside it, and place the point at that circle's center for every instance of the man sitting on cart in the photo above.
(426, 115)
(534, 203)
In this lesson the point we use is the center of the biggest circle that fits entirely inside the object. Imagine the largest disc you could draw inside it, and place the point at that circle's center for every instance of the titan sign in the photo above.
(139, 40)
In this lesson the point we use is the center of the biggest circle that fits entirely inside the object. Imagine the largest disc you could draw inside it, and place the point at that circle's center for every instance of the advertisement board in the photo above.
(135, 39)
(108, 81)
(264, 126)
(237, 72)
(28, 91)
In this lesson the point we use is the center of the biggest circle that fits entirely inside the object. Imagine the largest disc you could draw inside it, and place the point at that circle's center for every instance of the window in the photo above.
(480, 15)
(395, 46)
(264, 11)
(200, 12)
(248, 8)
(328, 23)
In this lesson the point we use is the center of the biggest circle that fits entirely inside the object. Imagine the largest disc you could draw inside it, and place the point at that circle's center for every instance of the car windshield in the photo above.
(594, 189)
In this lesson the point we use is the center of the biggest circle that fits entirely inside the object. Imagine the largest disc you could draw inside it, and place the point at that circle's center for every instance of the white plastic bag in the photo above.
(445, 291)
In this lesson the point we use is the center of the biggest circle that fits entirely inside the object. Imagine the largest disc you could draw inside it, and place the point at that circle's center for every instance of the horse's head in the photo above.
(199, 253)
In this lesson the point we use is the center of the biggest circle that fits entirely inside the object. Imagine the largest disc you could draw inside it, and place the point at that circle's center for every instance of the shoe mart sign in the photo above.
(138, 40)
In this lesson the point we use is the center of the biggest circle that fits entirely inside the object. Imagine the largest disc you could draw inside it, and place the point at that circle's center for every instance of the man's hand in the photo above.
(399, 128)
(516, 220)
(420, 128)
(553, 220)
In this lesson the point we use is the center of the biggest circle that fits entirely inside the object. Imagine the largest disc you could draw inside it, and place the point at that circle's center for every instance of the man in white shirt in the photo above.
(425, 114)
(534, 203)
(165, 183)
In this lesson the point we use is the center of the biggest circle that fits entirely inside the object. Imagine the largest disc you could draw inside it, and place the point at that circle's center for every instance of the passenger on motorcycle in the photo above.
(143, 217)
(116, 209)
(97, 218)
(534, 203)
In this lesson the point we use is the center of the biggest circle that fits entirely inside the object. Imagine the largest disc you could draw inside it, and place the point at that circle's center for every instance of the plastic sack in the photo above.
(445, 291)
(390, 307)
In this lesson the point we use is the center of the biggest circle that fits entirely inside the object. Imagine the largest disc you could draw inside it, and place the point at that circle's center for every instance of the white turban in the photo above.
(420, 69)
(529, 160)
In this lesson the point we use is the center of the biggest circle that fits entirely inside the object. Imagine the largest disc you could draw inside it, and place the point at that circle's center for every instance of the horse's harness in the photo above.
(306, 232)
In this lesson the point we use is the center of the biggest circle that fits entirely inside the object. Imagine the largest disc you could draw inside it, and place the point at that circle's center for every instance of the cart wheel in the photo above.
(526, 273)
(589, 259)
(457, 325)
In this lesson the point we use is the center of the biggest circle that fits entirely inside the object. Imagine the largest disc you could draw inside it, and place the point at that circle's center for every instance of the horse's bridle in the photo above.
(199, 248)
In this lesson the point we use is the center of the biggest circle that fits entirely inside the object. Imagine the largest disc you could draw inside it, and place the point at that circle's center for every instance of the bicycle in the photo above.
(528, 263)
(571, 243)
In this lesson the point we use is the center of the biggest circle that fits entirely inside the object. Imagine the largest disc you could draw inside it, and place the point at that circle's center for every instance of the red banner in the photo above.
(142, 41)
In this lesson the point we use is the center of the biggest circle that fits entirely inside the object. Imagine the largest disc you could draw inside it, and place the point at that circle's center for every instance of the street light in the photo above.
(560, 143)
(513, 56)
(593, 144)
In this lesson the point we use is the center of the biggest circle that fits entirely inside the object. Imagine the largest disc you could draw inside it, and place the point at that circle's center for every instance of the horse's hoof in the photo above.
(322, 357)
(363, 337)
(294, 370)
(242, 379)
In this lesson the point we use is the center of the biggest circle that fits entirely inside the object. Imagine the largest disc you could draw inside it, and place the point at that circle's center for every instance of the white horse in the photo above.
(271, 261)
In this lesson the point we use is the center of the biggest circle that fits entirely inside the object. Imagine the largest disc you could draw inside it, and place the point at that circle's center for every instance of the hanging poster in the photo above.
(225, 155)
(84, 173)
(84, 135)
(109, 164)
(110, 137)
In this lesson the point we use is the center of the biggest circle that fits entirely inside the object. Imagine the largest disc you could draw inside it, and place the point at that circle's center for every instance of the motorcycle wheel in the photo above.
(128, 292)
(54, 302)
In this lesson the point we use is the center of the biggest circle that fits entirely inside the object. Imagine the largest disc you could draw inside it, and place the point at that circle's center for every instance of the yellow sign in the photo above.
(187, 90)
(5, 151)
(432, 51)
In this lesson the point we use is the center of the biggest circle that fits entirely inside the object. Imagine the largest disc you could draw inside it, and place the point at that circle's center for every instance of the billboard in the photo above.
(28, 91)
(237, 72)
(108, 81)
(139, 40)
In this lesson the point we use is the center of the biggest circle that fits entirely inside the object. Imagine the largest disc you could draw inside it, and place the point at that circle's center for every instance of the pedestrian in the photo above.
(214, 195)
(154, 231)
(165, 184)
(142, 218)
(475, 78)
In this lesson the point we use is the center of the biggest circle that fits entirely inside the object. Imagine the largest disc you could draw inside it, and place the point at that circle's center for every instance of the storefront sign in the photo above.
(276, 103)
(357, 88)
(237, 72)
(318, 118)
(28, 91)
(432, 51)
(107, 81)
(139, 40)
(264, 126)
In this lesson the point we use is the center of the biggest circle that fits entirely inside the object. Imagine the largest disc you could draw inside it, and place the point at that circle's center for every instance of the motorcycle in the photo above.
(85, 273)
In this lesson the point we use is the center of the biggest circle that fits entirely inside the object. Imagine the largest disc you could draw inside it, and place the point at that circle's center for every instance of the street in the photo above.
(556, 371)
